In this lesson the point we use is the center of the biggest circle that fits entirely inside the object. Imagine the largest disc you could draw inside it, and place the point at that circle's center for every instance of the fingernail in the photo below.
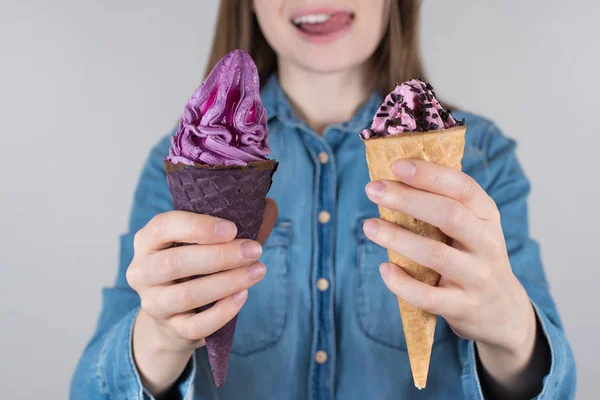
(256, 271)
(224, 228)
(370, 227)
(375, 189)
(239, 297)
(384, 269)
(250, 249)
(404, 168)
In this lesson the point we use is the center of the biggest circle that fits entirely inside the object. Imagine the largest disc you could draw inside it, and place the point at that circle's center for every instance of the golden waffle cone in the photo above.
(443, 147)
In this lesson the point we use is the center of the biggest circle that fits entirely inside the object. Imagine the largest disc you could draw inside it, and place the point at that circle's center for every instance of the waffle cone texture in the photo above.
(237, 194)
(443, 147)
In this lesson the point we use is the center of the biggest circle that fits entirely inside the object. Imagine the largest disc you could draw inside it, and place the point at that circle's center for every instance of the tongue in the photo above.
(338, 21)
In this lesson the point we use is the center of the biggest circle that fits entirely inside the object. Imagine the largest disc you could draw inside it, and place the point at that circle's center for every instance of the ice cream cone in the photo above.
(237, 194)
(443, 147)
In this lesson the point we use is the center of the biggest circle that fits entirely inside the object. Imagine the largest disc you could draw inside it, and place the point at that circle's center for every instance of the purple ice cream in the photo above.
(217, 165)
(225, 122)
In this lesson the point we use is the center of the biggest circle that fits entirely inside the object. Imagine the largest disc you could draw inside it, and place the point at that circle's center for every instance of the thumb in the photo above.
(269, 218)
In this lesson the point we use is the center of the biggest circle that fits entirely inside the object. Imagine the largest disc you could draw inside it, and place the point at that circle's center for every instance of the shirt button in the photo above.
(322, 284)
(321, 357)
(323, 157)
(324, 217)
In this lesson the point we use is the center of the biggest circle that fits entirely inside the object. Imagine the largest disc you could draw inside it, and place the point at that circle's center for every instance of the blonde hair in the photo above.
(396, 59)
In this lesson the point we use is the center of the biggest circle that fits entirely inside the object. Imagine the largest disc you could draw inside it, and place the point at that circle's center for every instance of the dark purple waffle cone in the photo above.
(237, 194)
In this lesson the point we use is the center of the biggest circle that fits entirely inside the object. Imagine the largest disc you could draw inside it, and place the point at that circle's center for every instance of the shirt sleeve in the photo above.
(106, 369)
(509, 188)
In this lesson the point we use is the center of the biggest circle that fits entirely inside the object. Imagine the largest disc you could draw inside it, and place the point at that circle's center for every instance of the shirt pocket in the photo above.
(263, 317)
(377, 309)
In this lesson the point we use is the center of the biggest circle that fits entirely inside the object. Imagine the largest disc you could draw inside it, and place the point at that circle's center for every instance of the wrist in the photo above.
(517, 335)
(522, 330)
(159, 358)
(513, 351)
(515, 369)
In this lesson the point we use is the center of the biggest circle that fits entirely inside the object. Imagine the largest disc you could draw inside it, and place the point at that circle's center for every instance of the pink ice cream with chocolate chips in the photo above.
(411, 107)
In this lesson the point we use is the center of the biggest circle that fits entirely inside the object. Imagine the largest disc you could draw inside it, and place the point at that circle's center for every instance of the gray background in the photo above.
(87, 87)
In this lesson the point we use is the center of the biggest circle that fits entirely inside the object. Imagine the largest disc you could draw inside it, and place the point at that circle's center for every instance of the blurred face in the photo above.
(323, 36)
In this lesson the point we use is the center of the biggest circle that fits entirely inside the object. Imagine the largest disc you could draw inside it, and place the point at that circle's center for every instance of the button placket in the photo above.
(322, 375)
(325, 346)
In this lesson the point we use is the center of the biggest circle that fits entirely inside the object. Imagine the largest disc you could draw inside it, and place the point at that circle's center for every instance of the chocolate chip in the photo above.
(444, 115)
(383, 114)
(371, 134)
(389, 103)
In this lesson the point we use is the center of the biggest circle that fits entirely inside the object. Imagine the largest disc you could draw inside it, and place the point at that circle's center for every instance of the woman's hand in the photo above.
(168, 329)
(478, 294)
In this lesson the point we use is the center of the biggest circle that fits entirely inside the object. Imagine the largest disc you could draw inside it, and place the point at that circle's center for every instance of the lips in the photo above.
(322, 23)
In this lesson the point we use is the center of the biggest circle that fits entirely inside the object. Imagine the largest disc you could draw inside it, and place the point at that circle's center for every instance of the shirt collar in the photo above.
(278, 106)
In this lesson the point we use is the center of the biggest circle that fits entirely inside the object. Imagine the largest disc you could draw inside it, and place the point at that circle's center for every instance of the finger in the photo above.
(447, 182)
(185, 261)
(453, 218)
(269, 219)
(196, 326)
(195, 293)
(182, 227)
(447, 261)
(435, 300)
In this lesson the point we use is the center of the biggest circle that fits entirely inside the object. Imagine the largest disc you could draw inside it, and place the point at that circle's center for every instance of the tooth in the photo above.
(312, 19)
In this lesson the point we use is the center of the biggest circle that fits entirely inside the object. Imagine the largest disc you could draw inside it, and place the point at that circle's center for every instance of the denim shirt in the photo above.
(350, 318)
